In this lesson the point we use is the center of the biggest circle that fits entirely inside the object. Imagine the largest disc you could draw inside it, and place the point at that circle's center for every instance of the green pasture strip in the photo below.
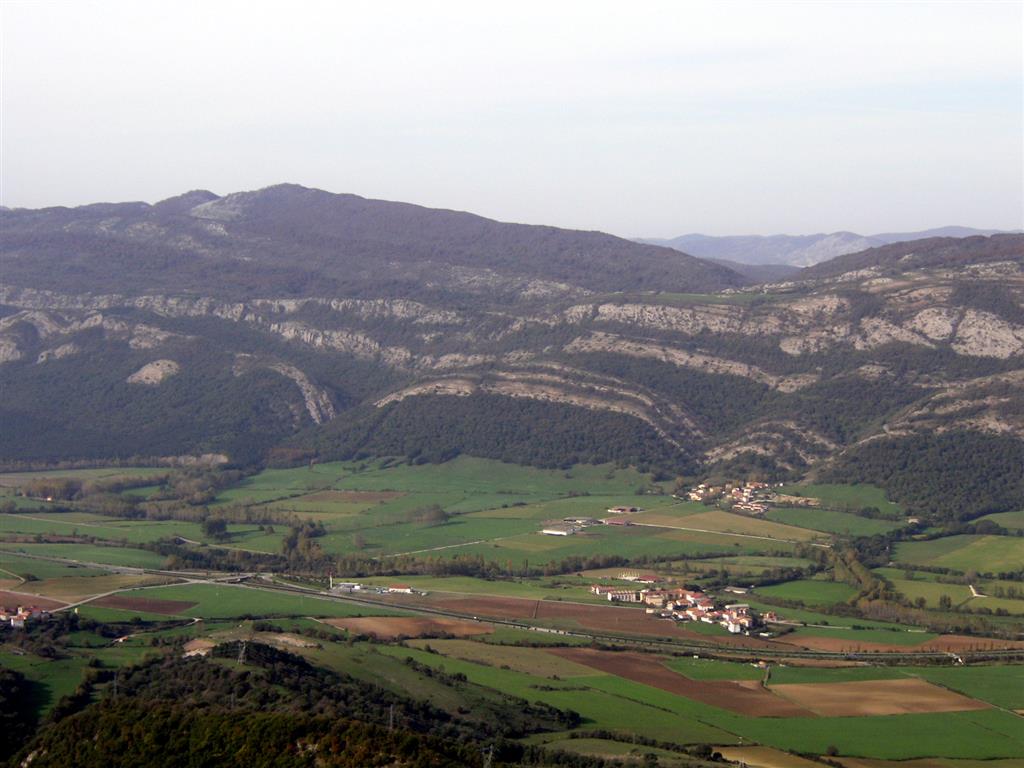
(932, 592)
(90, 553)
(855, 636)
(533, 589)
(119, 616)
(1002, 685)
(630, 542)
(810, 591)
(847, 496)
(1008, 520)
(813, 617)
(712, 669)
(509, 636)
(598, 708)
(418, 537)
(227, 600)
(53, 678)
(964, 552)
(473, 475)
(532, 661)
(117, 529)
(977, 734)
(830, 521)
(43, 569)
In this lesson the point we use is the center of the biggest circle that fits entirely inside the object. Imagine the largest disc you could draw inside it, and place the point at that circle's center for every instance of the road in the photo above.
(688, 646)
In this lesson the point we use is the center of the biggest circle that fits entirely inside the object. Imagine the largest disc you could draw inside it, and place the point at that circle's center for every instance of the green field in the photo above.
(91, 553)
(810, 592)
(214, 601)
(846, 497)
(1009, 520)
(831, 521)
(1001, 685)
(42, 569)
(964, 552)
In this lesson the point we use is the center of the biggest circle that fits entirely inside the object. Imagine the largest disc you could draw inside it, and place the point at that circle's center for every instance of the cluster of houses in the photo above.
(750, 497)
(685, 605)
(20, 616)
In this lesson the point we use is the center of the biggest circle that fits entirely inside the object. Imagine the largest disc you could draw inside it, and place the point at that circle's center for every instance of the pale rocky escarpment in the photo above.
(64, 350)
(50, 324)
(317, 401)
(775, 438)
(154, 373)
(667, 420)
(987, 404)
(983, 334)
(615, 344)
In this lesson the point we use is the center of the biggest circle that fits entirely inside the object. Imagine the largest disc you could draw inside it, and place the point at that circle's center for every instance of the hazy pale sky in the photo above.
(648, 119)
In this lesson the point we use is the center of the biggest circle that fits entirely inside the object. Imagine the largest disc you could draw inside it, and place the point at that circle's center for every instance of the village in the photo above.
(19, 617)
(680, 604)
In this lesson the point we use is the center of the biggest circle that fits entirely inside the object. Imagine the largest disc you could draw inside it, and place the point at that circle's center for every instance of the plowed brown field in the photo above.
(746, 698)
(877, 697)
(391, 627)
(146, 605)
(14, 599)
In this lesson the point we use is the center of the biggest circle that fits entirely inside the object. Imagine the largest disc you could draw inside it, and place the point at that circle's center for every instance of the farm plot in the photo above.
(599, 707)
(20, 598)
(719, 521)
(866, 698)
(210, 601)
(831, 521)
(746, 697)
(144, 604)
(841, 497)
(810, 592)
(965, 552)
(1010, 520)
(1001, 685)
(89, 553)
(531, 661)
(394, 627)
(77, 587)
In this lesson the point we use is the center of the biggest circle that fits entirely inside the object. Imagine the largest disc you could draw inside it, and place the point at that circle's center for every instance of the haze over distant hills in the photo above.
(797, 250)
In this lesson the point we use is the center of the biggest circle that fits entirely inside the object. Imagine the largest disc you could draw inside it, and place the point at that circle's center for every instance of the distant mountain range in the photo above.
(797, 250)
(287, 324)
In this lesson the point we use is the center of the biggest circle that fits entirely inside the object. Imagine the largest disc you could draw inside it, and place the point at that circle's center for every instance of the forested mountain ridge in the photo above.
(289, 240)
(252, 350)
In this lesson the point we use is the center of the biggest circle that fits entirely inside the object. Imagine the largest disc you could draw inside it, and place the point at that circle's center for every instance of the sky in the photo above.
(643, 119)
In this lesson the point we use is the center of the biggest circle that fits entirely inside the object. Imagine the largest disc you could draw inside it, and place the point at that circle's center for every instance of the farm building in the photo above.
(560, 530)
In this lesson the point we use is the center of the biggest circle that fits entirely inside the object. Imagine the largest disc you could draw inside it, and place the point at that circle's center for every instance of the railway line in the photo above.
(673, 645)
